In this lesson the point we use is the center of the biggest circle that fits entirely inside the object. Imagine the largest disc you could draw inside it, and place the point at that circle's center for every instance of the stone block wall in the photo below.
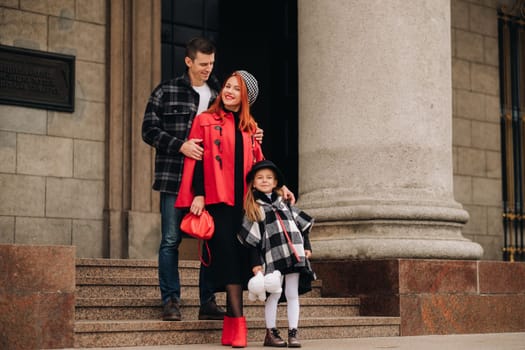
(52, 164)
(476, 133)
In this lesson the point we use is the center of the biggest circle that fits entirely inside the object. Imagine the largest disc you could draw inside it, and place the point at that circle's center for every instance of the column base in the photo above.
(143, 235)
(382, 248)
(391, 230)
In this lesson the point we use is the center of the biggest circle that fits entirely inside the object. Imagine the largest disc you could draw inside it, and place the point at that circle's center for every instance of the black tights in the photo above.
(234, 300)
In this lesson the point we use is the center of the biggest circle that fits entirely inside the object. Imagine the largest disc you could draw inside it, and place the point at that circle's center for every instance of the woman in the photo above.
(218, 182)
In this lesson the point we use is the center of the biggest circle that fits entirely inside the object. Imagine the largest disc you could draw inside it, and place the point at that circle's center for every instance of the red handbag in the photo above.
(201, 227)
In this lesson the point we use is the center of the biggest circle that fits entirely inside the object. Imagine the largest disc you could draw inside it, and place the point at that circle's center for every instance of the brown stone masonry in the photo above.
(433, 296)
(37, 296)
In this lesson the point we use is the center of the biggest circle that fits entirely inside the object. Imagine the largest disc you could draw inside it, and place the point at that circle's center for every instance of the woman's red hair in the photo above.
(247, 122)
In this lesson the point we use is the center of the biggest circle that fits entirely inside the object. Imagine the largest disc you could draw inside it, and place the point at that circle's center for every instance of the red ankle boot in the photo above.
(227, 331)
(240, 332)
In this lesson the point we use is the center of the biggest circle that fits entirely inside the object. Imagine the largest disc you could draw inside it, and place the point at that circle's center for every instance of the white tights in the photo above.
(292, 301)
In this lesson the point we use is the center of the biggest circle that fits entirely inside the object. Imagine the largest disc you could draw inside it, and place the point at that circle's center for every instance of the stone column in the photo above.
(117, 171)
(143, 217)
(375, 135)
(132, 208)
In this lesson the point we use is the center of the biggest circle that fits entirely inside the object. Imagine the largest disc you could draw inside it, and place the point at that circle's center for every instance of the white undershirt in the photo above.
(204, 97)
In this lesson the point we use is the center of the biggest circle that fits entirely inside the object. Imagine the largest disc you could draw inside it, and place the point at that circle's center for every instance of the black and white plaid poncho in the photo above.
(269, 238)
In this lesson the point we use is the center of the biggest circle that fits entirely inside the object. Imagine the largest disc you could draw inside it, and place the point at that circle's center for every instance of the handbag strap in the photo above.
(290, 244)
(207, 264)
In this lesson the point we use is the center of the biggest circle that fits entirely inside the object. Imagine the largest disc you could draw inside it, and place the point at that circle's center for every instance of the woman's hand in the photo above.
(197, 205)
(308, 253)
(288, 195)
(257, 269)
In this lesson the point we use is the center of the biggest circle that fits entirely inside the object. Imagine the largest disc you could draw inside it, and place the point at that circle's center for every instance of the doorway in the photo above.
(257, 36)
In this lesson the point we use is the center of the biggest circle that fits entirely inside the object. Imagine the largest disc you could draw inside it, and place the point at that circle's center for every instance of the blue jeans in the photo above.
(169, 279)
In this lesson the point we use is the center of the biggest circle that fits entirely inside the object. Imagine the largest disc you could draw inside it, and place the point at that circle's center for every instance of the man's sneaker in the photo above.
(211, 311)
(171, 311)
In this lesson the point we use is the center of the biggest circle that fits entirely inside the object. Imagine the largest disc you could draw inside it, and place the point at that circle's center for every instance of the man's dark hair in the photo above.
(199, 44)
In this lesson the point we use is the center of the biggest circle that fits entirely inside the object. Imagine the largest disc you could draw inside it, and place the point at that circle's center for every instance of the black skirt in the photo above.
(230, 260)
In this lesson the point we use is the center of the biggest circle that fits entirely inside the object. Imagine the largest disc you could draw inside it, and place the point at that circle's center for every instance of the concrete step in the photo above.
(117, 305)
(142, 332)
(130, 268)
(144, 287)
(150, 308)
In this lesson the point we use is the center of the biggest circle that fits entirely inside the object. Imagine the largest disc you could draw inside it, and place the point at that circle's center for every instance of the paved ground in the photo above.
(499, 341)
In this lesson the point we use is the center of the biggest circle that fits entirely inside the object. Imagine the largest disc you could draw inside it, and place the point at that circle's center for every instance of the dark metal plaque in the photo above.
(37, 79)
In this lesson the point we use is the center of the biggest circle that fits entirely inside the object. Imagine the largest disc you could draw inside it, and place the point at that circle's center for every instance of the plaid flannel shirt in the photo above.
(268, 237)
(169, 114)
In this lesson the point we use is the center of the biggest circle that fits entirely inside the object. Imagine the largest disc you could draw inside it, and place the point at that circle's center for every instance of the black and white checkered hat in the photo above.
(251, 85)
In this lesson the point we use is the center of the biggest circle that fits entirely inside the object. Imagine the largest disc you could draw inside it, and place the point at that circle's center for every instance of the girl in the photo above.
(279, 232)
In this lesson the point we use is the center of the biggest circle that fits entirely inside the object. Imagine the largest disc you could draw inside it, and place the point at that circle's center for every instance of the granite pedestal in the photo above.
(37, 296)
(433, 296)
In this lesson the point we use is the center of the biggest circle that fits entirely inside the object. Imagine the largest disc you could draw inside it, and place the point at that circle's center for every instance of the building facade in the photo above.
(405, 161)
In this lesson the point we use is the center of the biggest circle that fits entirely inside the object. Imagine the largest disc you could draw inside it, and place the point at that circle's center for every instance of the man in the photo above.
(169, 114)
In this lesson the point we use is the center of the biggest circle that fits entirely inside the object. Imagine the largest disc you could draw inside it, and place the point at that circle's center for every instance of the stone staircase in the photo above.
(117, 305)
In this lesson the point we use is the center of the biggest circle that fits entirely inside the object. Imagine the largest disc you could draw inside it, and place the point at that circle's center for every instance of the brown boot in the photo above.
(274, 339)
(293, 342)
(171, 310)
(211, 311)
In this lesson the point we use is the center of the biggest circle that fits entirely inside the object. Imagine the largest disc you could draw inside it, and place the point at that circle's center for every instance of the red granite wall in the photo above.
(433, 296)
(37, 296)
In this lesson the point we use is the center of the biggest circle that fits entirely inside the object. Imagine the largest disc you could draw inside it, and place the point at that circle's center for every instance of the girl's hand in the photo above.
(256, 269)
(259, 134)
(307, 253)
(288, 195)
(197, 206)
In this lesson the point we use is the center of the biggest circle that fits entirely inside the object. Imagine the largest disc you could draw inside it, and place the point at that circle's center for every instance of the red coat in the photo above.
(218, 135)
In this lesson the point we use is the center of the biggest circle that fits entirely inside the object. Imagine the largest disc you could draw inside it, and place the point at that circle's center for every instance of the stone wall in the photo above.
(476, 133)
(52, 164)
